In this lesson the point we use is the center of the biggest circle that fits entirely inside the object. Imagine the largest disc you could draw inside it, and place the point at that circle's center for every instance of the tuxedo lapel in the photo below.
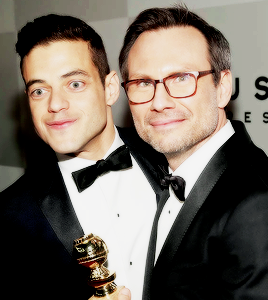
(57, 208)
(228, 155)
(193, 203)
(161, 200)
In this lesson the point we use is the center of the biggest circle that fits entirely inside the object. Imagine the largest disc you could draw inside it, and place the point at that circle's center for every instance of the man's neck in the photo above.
(176, 159)
(98, 147)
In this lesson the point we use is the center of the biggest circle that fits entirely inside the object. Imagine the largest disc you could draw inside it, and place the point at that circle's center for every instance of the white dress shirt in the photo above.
(189, 170)
(119, 207)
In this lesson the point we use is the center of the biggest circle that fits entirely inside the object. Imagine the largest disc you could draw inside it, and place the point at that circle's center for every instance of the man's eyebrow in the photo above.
(139, 76)
(75, 72)
(69, 74)
(31, 82)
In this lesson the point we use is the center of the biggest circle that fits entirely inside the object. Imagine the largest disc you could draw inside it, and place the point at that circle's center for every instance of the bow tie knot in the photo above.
(103, 166)
(177, 183)
(120, 159)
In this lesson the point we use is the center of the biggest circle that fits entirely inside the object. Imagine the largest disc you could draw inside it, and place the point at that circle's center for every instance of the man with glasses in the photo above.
(210, 241)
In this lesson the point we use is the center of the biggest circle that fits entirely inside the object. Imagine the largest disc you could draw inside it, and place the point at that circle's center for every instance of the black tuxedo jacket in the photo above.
(38, 225)
(218, 245)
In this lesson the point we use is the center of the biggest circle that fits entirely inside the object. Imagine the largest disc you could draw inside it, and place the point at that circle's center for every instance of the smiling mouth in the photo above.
(60, 124)
(166, 123)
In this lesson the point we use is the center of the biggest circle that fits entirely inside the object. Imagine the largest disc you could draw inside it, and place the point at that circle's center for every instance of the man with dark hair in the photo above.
(100, 181)
(212, 240)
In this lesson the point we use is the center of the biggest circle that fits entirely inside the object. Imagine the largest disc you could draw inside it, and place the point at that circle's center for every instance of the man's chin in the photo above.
(65, 149)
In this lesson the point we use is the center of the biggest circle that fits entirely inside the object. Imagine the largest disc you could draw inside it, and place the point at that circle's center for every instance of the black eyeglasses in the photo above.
(179, 85)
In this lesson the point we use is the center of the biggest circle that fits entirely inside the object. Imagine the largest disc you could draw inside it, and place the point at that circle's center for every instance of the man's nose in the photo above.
(57, 102)
(162, 100)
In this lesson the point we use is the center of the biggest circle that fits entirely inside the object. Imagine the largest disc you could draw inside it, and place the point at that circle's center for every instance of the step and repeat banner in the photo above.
(246, 28)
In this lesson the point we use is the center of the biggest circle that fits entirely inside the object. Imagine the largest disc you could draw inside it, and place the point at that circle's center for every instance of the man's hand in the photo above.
(124, 294)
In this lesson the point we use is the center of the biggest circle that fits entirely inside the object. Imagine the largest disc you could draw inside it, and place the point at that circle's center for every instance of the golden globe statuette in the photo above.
(91, 252)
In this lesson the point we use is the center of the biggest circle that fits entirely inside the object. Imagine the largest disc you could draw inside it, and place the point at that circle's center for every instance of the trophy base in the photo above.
(112, 296)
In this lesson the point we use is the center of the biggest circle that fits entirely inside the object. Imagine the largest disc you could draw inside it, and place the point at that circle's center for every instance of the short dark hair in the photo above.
(179, 15)
(53, 28)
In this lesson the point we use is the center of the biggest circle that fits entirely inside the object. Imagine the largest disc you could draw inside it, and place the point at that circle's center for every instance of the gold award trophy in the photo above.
(91, 252)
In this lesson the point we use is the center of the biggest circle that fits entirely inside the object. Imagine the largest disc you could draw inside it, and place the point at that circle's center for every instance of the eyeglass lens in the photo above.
(177, 86)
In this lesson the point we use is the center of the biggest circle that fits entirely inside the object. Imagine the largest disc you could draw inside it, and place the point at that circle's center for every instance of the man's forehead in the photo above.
(174, 49)
(60, 58)
(168, 40)
(59, 44)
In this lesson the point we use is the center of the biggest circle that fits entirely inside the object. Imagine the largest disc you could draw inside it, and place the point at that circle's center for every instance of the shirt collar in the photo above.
(70, 164)
(193, 166)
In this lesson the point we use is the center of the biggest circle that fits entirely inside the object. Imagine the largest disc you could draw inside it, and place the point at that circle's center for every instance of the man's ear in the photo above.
(224, 88)
(112, 88)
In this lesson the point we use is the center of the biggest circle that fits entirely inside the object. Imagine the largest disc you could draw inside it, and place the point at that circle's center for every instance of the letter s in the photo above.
(261, 87)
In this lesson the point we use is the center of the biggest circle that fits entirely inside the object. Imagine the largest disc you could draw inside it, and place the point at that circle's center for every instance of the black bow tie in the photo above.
(118, 160)
(177, 183)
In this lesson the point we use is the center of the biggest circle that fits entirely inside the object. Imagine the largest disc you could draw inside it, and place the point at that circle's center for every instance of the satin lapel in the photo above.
(57, 208)
(161, 200)
(194, 201)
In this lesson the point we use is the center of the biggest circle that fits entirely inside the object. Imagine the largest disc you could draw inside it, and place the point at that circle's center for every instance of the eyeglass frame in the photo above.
(196, 74)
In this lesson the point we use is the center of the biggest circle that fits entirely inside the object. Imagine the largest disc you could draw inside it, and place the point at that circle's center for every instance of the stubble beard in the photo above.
(172, 145)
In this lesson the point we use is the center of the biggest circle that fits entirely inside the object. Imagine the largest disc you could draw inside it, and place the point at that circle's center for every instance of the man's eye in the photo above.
(37, 93)
(144, 83)
(181, 78)
(76, 84)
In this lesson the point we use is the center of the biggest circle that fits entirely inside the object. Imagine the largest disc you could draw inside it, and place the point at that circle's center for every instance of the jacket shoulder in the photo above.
(34, 183)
